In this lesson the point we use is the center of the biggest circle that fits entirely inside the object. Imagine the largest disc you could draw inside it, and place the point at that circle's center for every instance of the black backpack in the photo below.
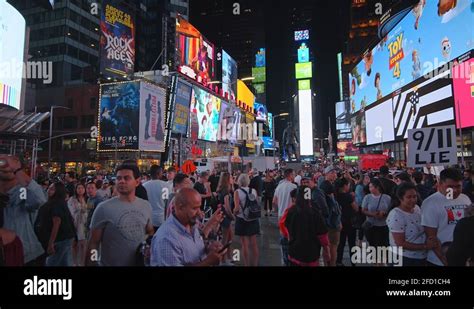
(43, 225)
(251, 210)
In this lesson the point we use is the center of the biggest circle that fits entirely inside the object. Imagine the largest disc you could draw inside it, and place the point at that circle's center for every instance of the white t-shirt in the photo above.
(282, 193)
(298, 180)
(155, 191)
(399, 221)
(443, 214)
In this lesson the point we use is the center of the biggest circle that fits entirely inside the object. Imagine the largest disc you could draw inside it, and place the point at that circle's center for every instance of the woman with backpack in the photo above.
(225, 193)
(245, 227)
(305, 229)
(57, 223)
(78, 207)
(361, 190)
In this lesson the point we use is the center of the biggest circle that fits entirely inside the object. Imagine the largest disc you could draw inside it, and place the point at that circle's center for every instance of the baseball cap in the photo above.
(329, 169)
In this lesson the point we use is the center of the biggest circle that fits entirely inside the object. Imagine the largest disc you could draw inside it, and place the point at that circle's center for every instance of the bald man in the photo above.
(178, 241)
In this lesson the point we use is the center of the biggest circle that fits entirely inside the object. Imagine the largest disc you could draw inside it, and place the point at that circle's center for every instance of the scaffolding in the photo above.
(19, 136)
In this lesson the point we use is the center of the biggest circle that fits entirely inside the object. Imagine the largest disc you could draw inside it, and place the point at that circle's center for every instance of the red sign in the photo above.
(372, 161)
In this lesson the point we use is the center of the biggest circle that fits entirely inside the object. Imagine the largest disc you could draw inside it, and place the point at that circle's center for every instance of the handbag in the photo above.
(367, 225)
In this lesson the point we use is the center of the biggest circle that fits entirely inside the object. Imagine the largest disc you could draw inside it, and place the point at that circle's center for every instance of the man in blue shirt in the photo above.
(178, 241)
(25, 197)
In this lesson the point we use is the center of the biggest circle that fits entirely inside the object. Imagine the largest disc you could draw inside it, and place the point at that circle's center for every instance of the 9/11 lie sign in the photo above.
(435, 146)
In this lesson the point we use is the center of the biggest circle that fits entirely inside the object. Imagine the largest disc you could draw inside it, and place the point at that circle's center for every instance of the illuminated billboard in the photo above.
(423, 41)
(261, 111)
(305, 122)
(343, 120)
(304, 84)
(206, 108)
(229, 75)
(12, 45)
(117, 42)
(181, 109)
(119, 115)
(304, 70)
(244, 94)
(259, 88)
(152, 117)
(259, 75)
(379, 124)
(303, 53)
(260, 58)
(302, 35)
(358, 128)
(463, 85)
(195, 54)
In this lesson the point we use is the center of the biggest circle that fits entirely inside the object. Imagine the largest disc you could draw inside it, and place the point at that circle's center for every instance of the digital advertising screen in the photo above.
(343, 120)
(244, 94)
(267, 143)
(422, 42)
(12, 45)
(261, 112)
(358, 128)
(463, 85)
(379, 123)
(304, 70)
(425, 104)
(305, 108)
(304, 84)
(152, 117)
(270, 124)
(259, 88)
(119, 116)
(260, 58)
(301, 35)
(206, 107)
(195, 54)
(117, 42)
(229, 75)
(259, 75)
(181, 110)
(303, 53)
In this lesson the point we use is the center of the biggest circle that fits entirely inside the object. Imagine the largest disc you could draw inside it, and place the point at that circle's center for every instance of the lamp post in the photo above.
(273, 132)
(51, 113)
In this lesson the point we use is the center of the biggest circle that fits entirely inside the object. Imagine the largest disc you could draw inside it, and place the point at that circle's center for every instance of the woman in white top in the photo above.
(78, 207)
(406, 231)
(247, 230)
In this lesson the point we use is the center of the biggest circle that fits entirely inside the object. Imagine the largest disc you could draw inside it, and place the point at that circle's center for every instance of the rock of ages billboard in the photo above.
(117, 42)
(119, 117)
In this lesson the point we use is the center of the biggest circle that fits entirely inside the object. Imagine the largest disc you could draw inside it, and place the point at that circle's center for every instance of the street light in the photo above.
(273, 132)
(51, 134)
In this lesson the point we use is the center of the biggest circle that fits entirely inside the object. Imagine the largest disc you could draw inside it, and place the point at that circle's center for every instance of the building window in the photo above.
(93, 103)
(70, 103)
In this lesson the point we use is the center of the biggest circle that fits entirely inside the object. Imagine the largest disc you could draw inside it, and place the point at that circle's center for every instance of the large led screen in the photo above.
(152, 117)
(358, 128)
(12, 44)
(261, 111)
(306, 122)
(343, 116)
(463, 84)
(195, 54)
(423, 41)
(425, 104)
(206, 107)
(379, 123)
(304, 70)
(229, 75)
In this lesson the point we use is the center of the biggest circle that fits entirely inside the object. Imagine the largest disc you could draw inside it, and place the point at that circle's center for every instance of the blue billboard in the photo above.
(181, 110)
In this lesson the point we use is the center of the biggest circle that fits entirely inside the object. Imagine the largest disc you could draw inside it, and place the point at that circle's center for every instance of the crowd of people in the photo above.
(167, 218)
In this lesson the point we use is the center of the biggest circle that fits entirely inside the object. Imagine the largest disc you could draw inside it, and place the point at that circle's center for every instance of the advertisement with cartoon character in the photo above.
(435, 32)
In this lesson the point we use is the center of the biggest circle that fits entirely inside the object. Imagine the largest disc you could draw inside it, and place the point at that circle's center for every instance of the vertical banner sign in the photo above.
(181, 112)
(119, 116)
(435, 146)
(117, 42)
(152, 117)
